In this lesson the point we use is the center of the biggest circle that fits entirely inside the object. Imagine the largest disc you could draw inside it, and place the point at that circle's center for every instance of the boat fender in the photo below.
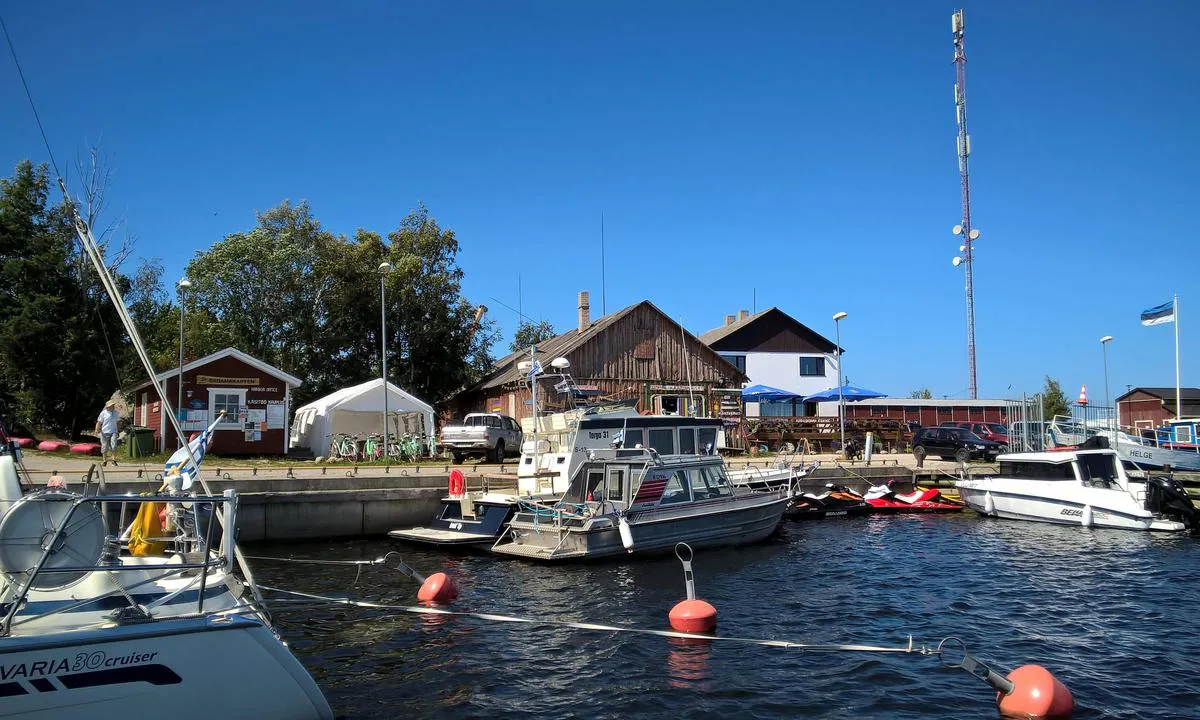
(1086, 520)
(457, 484)
(626, 533)
(1036, 694)
(989, 505)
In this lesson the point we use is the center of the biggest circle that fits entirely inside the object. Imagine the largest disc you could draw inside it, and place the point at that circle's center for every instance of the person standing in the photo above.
(107, 426)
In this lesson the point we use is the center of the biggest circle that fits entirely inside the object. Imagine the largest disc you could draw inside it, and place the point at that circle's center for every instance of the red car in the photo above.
(995, 432)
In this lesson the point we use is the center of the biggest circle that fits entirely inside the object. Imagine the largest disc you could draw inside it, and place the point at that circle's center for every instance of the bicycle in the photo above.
(344, 447)
(373, 447)
(410, 448)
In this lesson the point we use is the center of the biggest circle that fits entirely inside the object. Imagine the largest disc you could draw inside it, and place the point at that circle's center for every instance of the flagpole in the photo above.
(1178, 403)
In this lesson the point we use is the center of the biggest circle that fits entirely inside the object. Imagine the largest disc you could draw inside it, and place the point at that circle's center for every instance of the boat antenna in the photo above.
(603, 299)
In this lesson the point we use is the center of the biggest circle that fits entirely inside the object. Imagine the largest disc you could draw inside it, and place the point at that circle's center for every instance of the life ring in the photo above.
(85, 449)
(52, 446)
(457, 483)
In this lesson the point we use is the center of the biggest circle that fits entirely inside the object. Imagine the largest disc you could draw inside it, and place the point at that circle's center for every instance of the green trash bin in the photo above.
(141, 442)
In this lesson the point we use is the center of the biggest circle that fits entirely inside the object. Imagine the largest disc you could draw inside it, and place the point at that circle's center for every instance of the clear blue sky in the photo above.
(800, 151)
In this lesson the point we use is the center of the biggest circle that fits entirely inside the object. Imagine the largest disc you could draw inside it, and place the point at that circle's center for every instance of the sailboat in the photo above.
(106, 620)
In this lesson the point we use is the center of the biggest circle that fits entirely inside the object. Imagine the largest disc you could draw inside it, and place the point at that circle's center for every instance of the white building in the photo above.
(775, 349)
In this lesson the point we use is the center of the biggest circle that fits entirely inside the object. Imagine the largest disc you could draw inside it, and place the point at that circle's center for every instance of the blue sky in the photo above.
(799, 153)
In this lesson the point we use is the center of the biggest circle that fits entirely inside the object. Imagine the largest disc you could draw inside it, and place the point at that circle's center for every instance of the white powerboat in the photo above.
(1087, 487)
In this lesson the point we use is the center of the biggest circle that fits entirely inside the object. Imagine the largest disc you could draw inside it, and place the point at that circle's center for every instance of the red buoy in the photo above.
(1035, 694)
(439, 588)
(693, 616)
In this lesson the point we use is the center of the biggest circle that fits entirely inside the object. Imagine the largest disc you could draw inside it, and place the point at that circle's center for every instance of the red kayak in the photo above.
(921, 500)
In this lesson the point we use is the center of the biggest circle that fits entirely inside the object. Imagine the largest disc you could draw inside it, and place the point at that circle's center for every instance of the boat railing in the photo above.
(191, 546)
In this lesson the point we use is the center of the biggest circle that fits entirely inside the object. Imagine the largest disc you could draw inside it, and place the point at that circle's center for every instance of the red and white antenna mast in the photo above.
(968, 233)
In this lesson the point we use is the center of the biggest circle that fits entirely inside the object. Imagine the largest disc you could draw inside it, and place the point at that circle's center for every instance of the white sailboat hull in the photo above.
(182, 667)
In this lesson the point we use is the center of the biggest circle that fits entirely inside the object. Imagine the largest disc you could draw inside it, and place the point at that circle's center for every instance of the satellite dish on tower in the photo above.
(974, 234)
(956, 261)
(957, 230)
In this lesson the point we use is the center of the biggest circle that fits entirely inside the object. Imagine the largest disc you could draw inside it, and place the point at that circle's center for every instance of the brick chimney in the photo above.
(585, 320)
(743, 314)
(730, 319)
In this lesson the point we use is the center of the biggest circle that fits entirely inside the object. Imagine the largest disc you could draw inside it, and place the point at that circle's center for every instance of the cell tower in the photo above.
(968, 233)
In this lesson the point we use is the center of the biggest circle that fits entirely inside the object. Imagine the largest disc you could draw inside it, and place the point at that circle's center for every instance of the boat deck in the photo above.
(440, 537)
(537, 552)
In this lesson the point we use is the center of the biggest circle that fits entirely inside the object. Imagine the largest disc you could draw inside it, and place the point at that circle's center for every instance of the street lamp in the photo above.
(1104, 341)
(183, 286)
(837, 325)
(384, 269)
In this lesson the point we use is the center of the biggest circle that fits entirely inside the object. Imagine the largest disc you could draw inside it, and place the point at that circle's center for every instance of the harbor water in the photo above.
(1109, 612)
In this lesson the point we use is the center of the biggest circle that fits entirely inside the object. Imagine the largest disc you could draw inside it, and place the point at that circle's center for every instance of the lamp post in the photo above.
(384, 269)
(183, 286)
(1104, 341)
(837, 325)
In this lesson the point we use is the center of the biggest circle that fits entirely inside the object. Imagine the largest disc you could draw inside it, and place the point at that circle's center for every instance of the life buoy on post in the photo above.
(458, 483)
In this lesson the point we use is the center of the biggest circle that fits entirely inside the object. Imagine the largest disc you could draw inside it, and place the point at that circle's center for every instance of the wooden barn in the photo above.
(638, 353)
(255, 396)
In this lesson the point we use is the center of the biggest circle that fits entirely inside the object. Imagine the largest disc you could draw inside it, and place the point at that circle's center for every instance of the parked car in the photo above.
(988, 431)
(955, 443)
(485, 435)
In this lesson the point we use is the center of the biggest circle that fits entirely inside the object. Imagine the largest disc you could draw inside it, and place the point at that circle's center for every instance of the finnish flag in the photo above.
(1164, 313)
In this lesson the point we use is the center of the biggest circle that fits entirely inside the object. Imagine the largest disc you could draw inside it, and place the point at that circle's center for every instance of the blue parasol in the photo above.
(766, 393)
(849, 393)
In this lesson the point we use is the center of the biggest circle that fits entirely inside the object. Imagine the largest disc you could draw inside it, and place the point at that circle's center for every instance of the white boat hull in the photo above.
(1151, 456)
(181, 667)
(1051, 502)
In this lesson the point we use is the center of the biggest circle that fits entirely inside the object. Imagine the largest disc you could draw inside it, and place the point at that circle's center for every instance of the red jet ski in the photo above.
(885, 499)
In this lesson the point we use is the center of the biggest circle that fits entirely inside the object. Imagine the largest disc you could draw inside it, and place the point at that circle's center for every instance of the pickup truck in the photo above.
(485, 435)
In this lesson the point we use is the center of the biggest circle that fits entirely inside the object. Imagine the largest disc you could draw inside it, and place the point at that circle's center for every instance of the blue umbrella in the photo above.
(849, 393)
(766, 393)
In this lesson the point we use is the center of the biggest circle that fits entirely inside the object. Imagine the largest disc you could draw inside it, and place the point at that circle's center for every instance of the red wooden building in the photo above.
(1151, 407)
(255, 396)
(930, 413)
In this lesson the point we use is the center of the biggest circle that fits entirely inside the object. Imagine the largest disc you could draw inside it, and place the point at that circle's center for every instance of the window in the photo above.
(510, 424)
(780, 408)
(1037, 470)
(232, 402)
(633, 438)
(1099, 470)
(616, 484)
(812, 366)
(663, 441)
(144, 409)
(718, 484)
(595, 479)
(493, 421)
(687, 441)
(708, 439)
(678, 489)
(738, 361)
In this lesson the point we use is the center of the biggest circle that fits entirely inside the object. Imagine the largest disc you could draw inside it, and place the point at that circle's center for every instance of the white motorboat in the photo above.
(1087, 487)
(638, 501)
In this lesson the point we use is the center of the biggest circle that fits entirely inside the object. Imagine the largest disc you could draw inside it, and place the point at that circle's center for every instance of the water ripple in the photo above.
(1106, 611)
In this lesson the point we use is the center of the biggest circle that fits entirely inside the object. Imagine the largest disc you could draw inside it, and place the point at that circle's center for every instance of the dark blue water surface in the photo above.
(1109, 612)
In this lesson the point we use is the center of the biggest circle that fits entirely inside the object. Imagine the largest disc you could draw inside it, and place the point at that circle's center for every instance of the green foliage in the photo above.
(529, 333)
(60, 350)
(921, 394)
(1054, 400)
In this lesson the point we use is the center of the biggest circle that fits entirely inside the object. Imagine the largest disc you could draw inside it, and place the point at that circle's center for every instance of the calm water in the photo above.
(1111, 613)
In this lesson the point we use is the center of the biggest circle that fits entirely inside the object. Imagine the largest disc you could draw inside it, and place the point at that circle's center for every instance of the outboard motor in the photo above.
(1166, 496)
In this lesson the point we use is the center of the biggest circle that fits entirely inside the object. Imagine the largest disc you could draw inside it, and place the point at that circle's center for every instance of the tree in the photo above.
(921, 394)
(1054, 400)
(62, 351)
(529, 334)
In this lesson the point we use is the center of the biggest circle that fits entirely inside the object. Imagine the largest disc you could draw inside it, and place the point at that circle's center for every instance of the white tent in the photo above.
(358, 410)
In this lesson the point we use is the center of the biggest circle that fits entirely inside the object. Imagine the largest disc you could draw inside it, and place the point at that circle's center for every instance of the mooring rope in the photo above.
(910, 648)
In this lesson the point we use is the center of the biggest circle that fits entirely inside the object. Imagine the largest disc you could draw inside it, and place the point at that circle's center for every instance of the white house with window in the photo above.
(775, 349)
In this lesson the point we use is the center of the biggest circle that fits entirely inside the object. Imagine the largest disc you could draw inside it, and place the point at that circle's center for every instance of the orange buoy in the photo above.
(438, 587)
(1035, 694)
(693, 616)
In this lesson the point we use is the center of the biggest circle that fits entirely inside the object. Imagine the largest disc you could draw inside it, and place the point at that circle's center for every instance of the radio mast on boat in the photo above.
(968, 233)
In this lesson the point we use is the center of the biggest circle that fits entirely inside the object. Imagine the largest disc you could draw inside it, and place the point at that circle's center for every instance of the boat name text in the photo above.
(82, 661)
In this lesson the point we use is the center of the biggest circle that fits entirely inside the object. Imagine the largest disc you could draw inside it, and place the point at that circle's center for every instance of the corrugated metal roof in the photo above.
(934, 402)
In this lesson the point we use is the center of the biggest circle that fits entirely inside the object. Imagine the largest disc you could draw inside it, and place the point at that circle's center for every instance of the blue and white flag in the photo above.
(180, 464)
(535, 369)
(1160, 315)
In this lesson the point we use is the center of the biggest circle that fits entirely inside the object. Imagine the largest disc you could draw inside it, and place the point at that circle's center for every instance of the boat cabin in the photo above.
(1091, 468)
(635, 477)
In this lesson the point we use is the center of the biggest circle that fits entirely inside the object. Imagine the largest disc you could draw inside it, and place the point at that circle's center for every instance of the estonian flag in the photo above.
(1164, 313)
